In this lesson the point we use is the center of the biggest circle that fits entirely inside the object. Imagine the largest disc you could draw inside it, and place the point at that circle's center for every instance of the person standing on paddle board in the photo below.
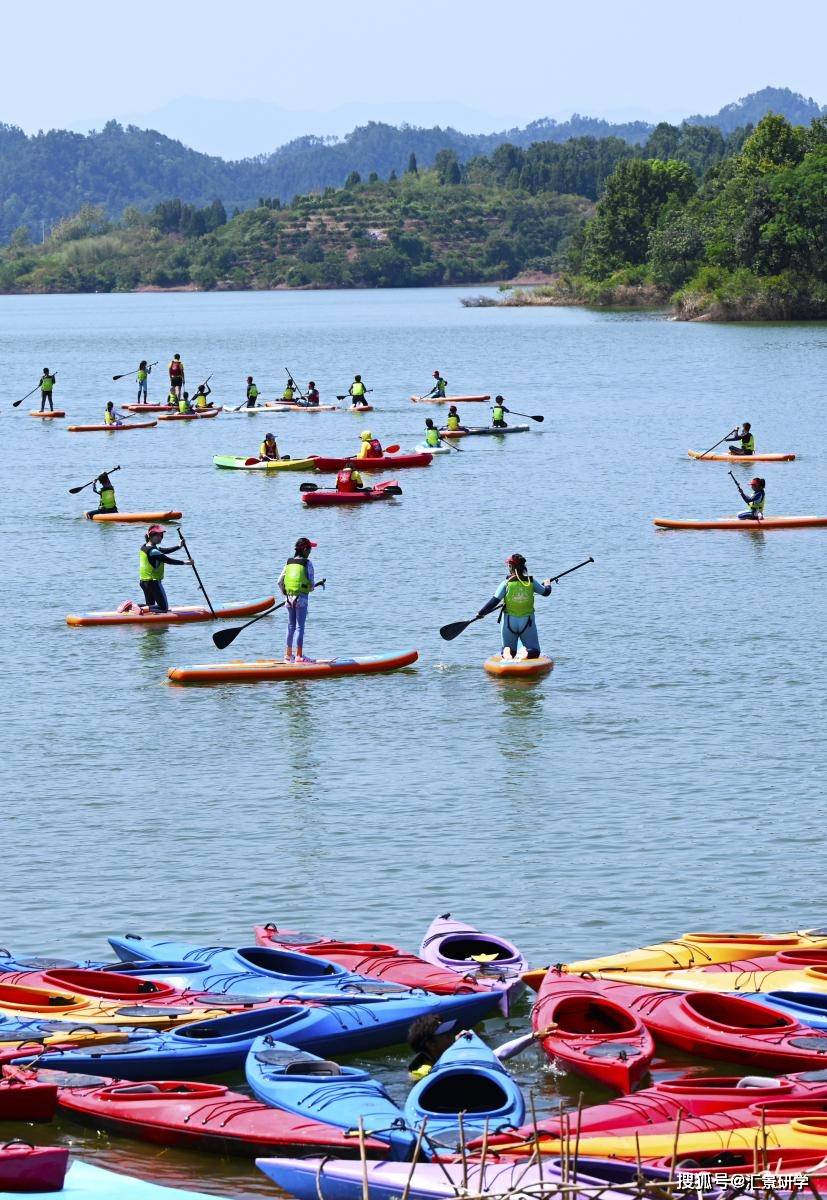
(312, 399)
(105, 494)
(747, 441)
(151, 562)
(755, 502)
(47, 383)
(440, 387)
(176, 376)
(498, 413)
(143, 375)
(356, 391)
(252, 393)
(516, 595)
(295, 583)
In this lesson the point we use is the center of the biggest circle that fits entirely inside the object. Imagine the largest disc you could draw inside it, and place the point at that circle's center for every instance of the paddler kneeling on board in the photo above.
(498, 412)
(438, 391)
(370, 446)
(312, 395)
(184, 405)
(112, 416)
(204, 390)
(747, 440)
(432, 437)
(152, 559)
(429, 1038)
(755, 502)
(452, 421)
(350, 480)
(295, 583)
(516, 595)
(105, 494)
(268, 451)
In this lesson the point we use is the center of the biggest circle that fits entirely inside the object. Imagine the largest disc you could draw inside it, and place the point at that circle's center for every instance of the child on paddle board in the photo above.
(200, 397)
(312, 400)
(755, 502)
(47, 383)
(105, 494)
(440, 387)
(295, 583)
(144, 370)
(252, 393)
(357, 391)
(498, 412)
(747, 440)
(112, 416)
(152, 559)
(452, 421)
(516, 595)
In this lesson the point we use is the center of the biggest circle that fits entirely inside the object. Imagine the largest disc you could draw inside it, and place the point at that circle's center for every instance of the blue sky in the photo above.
(479, 63)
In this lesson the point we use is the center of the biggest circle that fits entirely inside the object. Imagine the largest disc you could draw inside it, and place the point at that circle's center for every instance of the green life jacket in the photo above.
(758, 505)
(183, 405)
(142, 376)
(146, 570)
(498, 414)
(201, 400)
(47, 383)
(357, 389)
(288, 394)
(431, 437)
(296, 580)
(748, 444)
(252, 392)
(453, 422)
(519, 597)
(441, 385)
(106, 499)
(109, 418)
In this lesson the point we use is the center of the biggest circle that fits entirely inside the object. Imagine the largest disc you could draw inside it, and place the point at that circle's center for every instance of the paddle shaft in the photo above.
(585, 563)
(125, 374)
(74, 491)
(448, 442)
(225, 637)
(725, 438)
(298, 389)
(22, 398)
(453, 630)
(528, 416)
(195, 572)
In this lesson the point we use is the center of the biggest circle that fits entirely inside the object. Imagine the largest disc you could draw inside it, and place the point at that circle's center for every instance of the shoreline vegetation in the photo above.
(705, 226)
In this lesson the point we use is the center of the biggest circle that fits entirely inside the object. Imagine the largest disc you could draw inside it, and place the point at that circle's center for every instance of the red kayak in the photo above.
(25, 1168)
(202, 1116)
(592, 1035)
(716, 1025)
(111, 985)
(693, 1099)
(322, 498)
(23, 1098)
(384, 462)
(377, 960)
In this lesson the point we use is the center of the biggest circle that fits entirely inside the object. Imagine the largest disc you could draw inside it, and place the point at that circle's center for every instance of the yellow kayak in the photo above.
(807, 979)
(806, 1134)
(36, 1004)
(700, 950)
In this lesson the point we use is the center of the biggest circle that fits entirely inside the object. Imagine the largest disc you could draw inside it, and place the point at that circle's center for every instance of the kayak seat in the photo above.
(323, 1067)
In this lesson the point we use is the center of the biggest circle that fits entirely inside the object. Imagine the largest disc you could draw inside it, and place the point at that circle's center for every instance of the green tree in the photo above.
(412, 168)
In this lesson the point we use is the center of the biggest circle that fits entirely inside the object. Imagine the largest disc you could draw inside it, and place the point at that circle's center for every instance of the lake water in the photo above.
(667, 776)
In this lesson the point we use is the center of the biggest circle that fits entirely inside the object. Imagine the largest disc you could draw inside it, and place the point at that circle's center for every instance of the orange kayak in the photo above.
(449, 399)
(134, 517)
(111, 428)
(518, 668)
(271, 669)
(740, 457)
(47, 416)
(180, 615)
(749, 525)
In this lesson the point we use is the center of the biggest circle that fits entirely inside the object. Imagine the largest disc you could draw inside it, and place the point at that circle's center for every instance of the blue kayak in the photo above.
(810, 1008)
(255, 970)
(210, 1047)
(291, 1079)
(85, 1182)
(467, 1079)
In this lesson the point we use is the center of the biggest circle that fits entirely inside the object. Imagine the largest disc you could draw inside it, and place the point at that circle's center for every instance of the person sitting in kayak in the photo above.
(350, 480)
(252, 393)
(288, 396)
(440, 387)
(112, 416)
(47, 383)
(105, 494)
(755, 502)
(452, 422)
(295, 583)
(429, 1037)
(200, 398)
(370, 446)
(516, 595)
(184, 405)
(747, 440)
(144, 371)
(498, 413)
(176, 376)
(357, 391)
(312, 399)
(152, 559)
(268, 451)
(432, 437)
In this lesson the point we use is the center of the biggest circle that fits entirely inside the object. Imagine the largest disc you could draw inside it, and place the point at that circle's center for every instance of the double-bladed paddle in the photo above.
(390, 489)
(225, 637)
(449, 632)
(74, 491)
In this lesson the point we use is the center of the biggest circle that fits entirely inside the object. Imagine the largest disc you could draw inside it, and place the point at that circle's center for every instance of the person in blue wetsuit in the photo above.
(755, 502)
(295, 583)
(516, 595)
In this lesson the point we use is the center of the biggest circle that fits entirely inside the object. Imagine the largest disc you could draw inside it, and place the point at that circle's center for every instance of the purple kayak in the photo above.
(337, 1179)
(491, 961)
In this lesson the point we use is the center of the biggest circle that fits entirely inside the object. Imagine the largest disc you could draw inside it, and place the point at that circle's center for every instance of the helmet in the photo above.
(366, 435)
(156, 529)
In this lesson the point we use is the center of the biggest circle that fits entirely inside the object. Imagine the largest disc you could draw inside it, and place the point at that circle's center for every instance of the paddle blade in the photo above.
(225, 637)
(392, 449)
(308, 487)
(538, 417)
(392, 490)
(449, 632)
(74, 491)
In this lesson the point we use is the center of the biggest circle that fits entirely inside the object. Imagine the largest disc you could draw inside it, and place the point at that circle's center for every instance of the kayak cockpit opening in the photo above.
(460, 1091)
(729, 1012)
(287, 963)
(467, 947)
(580, 1015)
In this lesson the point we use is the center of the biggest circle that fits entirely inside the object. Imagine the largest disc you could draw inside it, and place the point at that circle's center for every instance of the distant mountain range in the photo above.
(48, 176)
